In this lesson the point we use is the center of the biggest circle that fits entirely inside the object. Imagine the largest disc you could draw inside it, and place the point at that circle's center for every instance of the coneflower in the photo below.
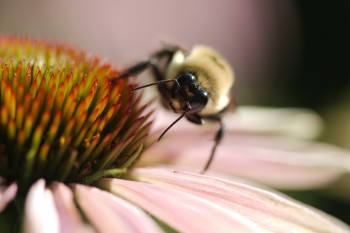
(60, 117)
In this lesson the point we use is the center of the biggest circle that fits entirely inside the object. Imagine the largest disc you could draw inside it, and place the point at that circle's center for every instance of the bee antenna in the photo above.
(172, 124)
(155, 83)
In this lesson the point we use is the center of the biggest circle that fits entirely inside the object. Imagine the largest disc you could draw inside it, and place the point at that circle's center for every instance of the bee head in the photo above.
(187, 95)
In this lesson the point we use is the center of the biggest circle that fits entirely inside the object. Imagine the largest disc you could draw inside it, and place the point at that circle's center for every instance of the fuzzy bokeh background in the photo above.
(284, 53)
(260, 38)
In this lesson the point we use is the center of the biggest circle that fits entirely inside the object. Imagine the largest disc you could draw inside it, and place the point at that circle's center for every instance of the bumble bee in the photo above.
(195, 84)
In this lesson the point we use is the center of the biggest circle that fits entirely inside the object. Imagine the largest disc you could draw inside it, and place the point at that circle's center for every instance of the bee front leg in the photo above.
(218, 137)
(197, 119)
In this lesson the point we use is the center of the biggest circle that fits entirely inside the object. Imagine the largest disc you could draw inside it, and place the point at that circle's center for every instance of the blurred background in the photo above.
(291, 53)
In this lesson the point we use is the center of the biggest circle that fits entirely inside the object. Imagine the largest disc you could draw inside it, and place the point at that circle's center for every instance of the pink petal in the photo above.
(108, 213)
(70, 220)
(270, 211)
(305, 168)
(181, 210)
(7, 194)
(300, 123)
(40, 213)
(276, 161)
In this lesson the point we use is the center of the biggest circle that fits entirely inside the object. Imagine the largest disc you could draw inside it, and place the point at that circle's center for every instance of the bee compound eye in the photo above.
(186, 79)
(183, 82)
(199, 100)
(188, 91)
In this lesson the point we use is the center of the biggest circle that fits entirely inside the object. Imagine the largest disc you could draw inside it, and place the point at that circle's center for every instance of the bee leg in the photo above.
(134, 70)
(197, 119)
(166, 53)
(143, 65)
(218, 137)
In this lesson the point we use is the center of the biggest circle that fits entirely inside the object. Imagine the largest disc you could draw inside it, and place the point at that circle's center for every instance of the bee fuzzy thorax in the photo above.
(213, 73)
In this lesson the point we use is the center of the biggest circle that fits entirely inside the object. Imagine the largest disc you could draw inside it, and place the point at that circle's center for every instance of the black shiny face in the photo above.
(187, 95)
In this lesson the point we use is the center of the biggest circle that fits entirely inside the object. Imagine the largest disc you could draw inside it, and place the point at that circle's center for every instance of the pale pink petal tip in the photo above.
(311, 166)
(270, 211)
(69, 216)
(295, 122)
(109, 213)
(279, 162)
(7, 194)
(40, 213)
(182, 211)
